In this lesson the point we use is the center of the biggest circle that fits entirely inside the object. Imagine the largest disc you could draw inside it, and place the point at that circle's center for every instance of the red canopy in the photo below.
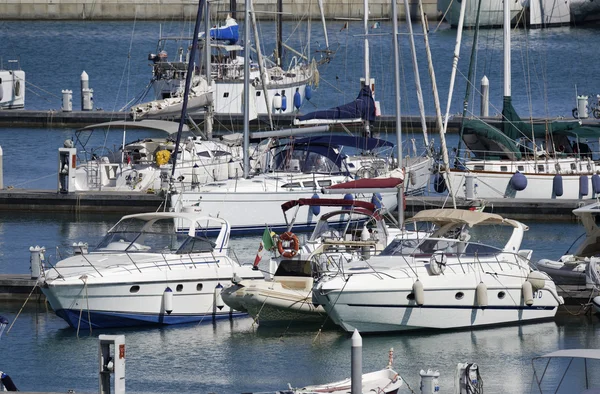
(328, 202)
(369, 183)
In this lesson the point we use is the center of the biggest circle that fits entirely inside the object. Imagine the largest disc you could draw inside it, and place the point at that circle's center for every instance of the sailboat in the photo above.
(517, 159)
(275, 84)
(310, 167)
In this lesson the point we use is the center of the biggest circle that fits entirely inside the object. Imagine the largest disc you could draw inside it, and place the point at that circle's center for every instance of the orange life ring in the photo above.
(287, 237)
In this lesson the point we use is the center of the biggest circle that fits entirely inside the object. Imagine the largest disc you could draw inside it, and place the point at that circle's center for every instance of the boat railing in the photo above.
(187, 259)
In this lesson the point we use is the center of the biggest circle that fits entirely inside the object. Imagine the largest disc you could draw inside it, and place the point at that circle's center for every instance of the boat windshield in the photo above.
(306, 162)
(430, 246)
(160, 237)
(298, 268)
(336, 227)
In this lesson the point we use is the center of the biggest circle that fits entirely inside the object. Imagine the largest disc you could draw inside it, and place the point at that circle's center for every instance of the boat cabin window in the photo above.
(297, 268)
(504, 168)
(479, 168)
(204, 154)
(324, 183)
(220, 153)
(226, 94)
(521, 168)
(541, 168)
(291, 185)
(431, 245)
(304, 161)
(196, 245)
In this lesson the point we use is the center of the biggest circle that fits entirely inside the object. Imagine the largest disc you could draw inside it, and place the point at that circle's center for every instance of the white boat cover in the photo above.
(471, 218)
(574, 353)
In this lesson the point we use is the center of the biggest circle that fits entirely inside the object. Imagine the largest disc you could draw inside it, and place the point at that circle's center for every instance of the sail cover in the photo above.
(363, 107)
(227, 33)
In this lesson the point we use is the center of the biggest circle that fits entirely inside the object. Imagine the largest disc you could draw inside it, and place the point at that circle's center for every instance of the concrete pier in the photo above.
(169, 10)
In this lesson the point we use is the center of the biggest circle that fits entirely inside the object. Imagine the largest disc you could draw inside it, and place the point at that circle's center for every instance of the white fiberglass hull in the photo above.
(249, 211)
(133, 299)
(490, 16)
(539, 186)
(385, 305)
(385, 381)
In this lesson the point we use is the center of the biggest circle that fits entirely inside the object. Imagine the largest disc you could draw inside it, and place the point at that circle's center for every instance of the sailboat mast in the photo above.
(246, 147)
(469, 78)
(188, 79)
(324, 24)
(438, 110)
(506, 30)
(263, 72)
(398, 117)
(413, 51)
(208, 114)
(459, 29)
(367, 76)
(279, 32)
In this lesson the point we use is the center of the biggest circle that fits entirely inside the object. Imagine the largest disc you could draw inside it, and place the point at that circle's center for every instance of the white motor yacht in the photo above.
(145, 273)
(448, 280)
(580, 267)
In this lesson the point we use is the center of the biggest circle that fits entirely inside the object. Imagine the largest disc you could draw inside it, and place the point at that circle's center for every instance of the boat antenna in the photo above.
(186, 92)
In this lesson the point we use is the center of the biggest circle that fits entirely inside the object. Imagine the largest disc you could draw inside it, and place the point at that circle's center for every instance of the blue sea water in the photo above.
(42, 353)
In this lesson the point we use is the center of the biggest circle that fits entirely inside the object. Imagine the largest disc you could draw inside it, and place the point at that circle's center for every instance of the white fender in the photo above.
(218, 299)
(481, 295)
(537, 280)
(419, 292)
(527, 293)
(168, 300)
(364, 236)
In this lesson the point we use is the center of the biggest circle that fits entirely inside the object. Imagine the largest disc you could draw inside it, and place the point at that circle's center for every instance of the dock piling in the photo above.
(485, 96)
(67, 100)
(356, 364)
(111, 359)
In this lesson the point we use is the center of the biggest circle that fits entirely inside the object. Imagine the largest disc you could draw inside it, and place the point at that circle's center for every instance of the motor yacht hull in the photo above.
(388, 308)
(140, 301)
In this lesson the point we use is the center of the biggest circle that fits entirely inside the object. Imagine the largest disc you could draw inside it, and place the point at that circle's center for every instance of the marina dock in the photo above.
(135, 202)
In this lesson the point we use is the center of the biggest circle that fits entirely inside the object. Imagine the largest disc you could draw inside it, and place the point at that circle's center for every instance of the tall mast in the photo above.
(436, 99)
(246, 147)
(233, 8)
(398, 117)
(367, 76)
(208, 114)
(506, 30)
(279, 32)
(324, 24)
(188, 79)
(469, 78)
(413, 51)
(263, 72)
